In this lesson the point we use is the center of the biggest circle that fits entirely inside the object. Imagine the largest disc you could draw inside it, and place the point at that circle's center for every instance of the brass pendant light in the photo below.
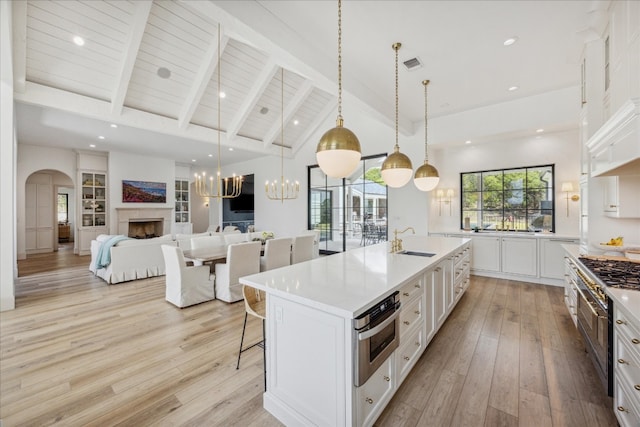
(218, 190)
(338, 152)
(426, 177)
(396, 170)
(286, 190)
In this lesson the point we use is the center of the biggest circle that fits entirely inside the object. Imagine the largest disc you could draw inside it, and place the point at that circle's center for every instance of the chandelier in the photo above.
(396, 170)
(338, 152)
(426, 177)
(218, 188)
(286, 190)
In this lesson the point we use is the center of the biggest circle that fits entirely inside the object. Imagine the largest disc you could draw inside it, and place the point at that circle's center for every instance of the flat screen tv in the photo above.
(242, 203)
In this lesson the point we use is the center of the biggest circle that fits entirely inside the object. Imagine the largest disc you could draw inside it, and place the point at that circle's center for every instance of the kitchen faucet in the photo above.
(396, 244)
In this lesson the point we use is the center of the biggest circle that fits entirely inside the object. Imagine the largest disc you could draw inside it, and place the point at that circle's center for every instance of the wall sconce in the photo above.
(567, 187)
(444, 196)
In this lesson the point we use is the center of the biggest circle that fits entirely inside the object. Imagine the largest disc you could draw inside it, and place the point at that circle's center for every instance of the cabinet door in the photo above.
(610, 202)
(439, 293)
(621, 196)
(519, 256)
(373, 395)
(429, 315)
(552, 257)
(486, 253)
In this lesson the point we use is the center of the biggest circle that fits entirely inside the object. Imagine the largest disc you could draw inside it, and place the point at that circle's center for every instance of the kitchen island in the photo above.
(311, 343)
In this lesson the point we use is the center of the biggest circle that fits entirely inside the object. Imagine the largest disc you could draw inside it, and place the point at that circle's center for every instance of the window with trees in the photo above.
(519, 199)
(63, 207)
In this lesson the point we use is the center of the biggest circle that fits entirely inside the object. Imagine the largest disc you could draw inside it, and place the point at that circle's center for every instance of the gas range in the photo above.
(614, 273)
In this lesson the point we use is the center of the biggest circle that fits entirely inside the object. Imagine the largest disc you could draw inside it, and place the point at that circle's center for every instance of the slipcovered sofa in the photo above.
(131, 259)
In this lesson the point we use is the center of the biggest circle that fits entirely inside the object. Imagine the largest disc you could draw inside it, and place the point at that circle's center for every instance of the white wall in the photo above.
(561, 149)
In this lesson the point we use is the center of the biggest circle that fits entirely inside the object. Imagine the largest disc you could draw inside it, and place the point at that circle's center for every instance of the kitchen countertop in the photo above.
(627, 298)
(540, 235)
(347, 283)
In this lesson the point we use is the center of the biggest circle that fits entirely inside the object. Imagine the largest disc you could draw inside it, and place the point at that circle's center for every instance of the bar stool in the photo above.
(254, 305)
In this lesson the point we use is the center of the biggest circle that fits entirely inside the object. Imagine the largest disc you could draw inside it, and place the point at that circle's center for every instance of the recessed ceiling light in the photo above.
(78, 40)
(510, 41)
(92, 145)
(230, 148)
(467, 142)
(113, 125)
(193, 160)
(539, 130)
(295, 122)
(223, 95)
(210, 155)
(101, 137)
(164, 73)
(512, 88)
(264, 110)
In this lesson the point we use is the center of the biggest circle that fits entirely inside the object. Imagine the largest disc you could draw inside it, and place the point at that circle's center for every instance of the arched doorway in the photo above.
(41, 214)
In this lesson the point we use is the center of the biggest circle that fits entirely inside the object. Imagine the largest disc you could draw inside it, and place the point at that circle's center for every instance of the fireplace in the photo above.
(144, 223)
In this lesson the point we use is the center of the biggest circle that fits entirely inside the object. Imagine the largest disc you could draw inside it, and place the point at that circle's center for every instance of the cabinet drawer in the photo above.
(461, 287)
(627, 359)
(461, 268)
(410, 315)
(408, 354)
(411, 290)
(624, 406)
(375, 393)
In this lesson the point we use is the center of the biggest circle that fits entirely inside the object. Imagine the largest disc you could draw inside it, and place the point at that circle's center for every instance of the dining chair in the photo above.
(255, 305)
(207, 241)
(302, 248)
(231, 238)
(243, 259)
(185, 285)
(277, 253)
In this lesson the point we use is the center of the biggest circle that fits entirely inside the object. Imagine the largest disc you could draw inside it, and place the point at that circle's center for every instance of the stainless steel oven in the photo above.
(376, 334)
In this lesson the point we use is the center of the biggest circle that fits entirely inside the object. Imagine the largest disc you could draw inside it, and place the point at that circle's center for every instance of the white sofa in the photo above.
(131, 259)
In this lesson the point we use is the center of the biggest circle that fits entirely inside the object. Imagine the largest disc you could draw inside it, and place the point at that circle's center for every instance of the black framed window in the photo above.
(63, 207)
(517, 199)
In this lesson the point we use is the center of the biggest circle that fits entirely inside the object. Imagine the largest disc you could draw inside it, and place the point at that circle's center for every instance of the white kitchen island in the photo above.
(309, 332)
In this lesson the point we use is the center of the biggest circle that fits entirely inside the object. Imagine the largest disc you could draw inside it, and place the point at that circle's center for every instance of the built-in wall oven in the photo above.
(376, 334)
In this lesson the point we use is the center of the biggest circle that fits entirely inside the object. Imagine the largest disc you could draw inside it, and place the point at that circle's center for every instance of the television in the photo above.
(242, 203)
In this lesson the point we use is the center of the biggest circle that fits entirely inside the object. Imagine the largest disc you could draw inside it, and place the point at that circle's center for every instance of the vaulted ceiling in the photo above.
(152, 67)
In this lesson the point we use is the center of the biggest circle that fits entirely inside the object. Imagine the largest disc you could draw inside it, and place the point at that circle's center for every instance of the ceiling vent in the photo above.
(412, 64)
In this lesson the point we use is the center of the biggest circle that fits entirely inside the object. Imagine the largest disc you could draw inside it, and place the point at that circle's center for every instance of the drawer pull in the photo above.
(622, 409)
(622, 361)
(416, 286)
(637, 387)
(635, 341)
(621, 322)
(418, 313)
(369, 400)
(406, 358)
(418, 345)
(406, 322)
(406, 294)
(386, 378)
(438, 269)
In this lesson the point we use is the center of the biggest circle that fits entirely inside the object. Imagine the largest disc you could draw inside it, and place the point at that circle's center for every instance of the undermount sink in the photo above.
(415, 253)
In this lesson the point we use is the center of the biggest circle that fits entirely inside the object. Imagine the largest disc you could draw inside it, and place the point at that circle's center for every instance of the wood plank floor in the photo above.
(78, 352)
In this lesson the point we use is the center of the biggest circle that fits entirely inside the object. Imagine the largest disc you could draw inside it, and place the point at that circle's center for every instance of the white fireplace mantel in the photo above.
(125, 215)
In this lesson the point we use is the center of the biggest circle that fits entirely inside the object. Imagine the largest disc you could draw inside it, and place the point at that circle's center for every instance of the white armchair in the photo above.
(277, 253)
(302, 248)
(207, 241)
(242, 259)
(186, 286)
(231, 238)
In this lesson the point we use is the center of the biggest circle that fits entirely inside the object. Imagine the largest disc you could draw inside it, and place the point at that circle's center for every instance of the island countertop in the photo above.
(347, 283)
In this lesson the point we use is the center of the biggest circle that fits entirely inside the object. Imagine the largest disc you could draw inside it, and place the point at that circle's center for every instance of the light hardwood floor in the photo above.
(79, 352)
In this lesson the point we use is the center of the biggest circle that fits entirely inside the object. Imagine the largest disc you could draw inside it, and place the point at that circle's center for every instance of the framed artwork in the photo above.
(144, 192)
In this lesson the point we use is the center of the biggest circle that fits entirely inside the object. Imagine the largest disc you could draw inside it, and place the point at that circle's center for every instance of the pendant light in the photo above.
(232, 187)
(286, 190)
(338, 152)
(426, 177)
(396, 170)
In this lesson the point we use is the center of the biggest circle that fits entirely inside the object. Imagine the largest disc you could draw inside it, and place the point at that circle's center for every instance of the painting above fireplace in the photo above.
(144, 192)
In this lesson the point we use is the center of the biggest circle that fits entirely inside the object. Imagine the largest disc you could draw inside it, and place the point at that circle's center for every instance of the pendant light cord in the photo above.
(339, 60)
(282, 134)
(426, 151)
(219, 105)
(396, 47)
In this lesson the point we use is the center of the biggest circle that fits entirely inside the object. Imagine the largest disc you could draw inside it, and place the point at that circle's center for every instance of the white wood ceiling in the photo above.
(114, 77)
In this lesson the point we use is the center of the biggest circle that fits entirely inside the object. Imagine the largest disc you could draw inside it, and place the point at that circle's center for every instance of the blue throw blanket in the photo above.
(103, 258)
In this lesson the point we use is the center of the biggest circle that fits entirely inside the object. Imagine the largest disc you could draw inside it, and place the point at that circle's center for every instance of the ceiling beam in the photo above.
(19, 35)
(136, 31)
(311, 129)
(300, 96)
(252, 98)
(202, 79)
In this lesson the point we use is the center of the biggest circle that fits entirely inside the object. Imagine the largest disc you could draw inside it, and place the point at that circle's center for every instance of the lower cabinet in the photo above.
(85, 236)
(486, 252)
(626, 369)
(372, 396)
(520, 256)
(408, 354)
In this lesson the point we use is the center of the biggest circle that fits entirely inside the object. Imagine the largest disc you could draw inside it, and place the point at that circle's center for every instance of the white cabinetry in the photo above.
(486, 253)
(626, 395)
(519, 256)
(372, 396)
(551, 255)
(621, 196)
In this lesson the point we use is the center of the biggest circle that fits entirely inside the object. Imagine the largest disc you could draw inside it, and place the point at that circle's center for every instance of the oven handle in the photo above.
(593, 310)
(371, 332)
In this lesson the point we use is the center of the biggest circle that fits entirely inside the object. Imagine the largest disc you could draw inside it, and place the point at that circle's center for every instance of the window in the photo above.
(63, 208)
(519, 199)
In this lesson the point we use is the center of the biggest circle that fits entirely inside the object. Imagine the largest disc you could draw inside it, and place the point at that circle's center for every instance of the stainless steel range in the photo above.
(591, 276)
